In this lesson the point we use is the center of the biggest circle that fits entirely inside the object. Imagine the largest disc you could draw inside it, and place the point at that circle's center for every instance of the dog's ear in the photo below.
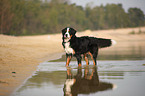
(72, 31)
(63, 31)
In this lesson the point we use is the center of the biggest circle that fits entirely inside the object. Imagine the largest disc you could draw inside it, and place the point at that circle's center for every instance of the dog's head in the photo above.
(68, 33)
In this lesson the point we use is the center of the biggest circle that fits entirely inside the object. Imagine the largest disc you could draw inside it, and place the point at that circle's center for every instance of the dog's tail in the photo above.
(105, 42)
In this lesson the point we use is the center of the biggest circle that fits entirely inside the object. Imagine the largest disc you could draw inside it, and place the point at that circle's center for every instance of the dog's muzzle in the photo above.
(66, 35)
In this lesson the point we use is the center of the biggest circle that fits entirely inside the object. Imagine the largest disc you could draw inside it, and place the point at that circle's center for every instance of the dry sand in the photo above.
(20, 56)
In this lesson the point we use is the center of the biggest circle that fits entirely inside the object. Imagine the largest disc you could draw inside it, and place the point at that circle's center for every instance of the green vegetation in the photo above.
(132, 32)
(31, 17)
(139, 32)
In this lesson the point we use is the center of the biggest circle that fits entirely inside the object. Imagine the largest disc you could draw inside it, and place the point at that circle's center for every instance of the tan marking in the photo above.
(73, 51)
(92, 57)
(68, 60)
(71, 36)
(79, 64)
(86, 59)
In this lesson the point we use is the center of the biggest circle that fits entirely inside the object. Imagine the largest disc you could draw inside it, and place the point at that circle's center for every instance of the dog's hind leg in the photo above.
(94, 60)
(94, 55)
(86, 59)
(68, 59)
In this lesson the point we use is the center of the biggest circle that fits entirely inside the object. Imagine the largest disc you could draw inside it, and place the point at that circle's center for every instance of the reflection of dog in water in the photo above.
(89, 83)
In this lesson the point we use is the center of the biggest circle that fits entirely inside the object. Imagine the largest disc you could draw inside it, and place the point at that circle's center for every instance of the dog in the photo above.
(77, 46)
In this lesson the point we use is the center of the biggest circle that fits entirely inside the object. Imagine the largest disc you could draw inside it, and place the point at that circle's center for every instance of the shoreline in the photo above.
(20, 56)
(57, 56)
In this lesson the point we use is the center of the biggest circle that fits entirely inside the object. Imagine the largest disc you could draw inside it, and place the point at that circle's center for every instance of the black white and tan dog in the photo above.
(78, 46)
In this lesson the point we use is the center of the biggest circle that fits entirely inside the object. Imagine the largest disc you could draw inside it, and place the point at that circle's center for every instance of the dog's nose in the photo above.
(66, 35)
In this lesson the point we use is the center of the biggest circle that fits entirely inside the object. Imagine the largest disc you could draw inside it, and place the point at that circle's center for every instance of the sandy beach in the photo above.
(20, 56)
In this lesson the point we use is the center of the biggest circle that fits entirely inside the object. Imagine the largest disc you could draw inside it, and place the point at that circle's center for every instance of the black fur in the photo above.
(83, 45)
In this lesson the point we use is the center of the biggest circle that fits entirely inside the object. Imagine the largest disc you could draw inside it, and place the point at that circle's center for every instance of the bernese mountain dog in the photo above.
(78, 46)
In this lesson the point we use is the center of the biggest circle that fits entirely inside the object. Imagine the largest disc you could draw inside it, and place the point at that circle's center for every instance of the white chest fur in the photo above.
(68, 49)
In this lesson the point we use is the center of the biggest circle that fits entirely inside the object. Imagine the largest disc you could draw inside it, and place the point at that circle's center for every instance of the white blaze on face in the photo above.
(67, 30)
(67, 33)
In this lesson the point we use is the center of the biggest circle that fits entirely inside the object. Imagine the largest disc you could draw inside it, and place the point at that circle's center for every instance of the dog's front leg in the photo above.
(68, 58)
(79, 58)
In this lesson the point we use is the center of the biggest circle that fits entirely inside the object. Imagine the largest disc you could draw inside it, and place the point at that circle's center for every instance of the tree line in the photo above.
(31, 17)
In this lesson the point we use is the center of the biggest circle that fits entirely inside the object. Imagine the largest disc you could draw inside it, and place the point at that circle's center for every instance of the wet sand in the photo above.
(20, 56)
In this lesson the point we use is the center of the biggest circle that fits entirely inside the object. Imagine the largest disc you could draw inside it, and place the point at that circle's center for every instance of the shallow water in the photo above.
(110, 78)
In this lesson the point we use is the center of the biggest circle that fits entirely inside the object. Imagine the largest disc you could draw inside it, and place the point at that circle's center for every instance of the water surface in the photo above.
(109, 78)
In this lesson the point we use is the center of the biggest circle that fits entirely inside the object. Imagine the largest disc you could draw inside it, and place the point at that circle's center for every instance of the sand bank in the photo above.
(19, 57)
